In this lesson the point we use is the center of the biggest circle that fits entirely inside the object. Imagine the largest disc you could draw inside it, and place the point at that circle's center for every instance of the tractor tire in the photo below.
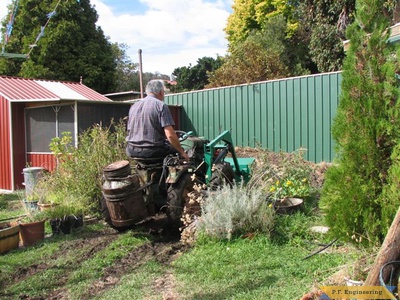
(107, 218)
(178, 197)
(223, 174)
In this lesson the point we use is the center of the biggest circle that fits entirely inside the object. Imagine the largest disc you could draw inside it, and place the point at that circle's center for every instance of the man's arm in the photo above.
(173, 139)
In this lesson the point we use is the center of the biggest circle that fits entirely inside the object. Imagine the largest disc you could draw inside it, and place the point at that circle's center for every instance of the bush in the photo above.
(287, 176)
(76, 183)
(366, 129)
(3, 202)
(235, 210)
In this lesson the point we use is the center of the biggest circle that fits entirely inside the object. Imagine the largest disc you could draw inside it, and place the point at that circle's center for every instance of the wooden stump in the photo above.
(390, 251)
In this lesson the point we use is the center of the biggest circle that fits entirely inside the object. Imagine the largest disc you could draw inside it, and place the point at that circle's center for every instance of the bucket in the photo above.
(31, 205)
(9, 237)
(31, 176)
(31, 233)
(125, 202)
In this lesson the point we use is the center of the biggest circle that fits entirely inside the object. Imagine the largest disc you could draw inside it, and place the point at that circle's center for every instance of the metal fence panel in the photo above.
(279, 115)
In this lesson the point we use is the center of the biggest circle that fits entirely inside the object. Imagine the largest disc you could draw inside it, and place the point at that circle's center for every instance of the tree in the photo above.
(127, 77)
(265, 54)
(197, 76)
(250, 15)
(361, 191)
(326, 22)
(71, 46)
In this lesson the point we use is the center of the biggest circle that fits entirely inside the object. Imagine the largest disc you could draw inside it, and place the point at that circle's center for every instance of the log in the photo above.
(389, 251)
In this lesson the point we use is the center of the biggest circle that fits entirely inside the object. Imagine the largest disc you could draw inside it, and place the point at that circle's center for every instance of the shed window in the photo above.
(45, 123)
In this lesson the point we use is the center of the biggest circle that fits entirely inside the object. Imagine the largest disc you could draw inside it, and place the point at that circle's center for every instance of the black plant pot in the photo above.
(66, 224)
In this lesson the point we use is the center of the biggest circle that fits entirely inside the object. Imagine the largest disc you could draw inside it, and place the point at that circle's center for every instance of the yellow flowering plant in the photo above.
(283, 175)
(289, 187)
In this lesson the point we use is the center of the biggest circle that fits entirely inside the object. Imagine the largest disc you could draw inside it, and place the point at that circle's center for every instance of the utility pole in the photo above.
(140, 74)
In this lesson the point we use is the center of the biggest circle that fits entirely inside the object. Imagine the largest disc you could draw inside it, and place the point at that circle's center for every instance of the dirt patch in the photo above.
(164, 246)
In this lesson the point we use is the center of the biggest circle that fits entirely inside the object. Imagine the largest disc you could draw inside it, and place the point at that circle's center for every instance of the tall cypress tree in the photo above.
(366, 130)
(70, 46)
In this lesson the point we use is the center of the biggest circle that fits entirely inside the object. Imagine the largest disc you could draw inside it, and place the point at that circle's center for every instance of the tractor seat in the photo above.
(148, 160)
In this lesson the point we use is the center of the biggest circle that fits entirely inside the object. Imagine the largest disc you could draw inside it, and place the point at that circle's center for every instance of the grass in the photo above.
(10, 205)
(98, 263)
(252, 269)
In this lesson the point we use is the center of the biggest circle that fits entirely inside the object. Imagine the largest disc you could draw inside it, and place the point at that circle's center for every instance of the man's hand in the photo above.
(184, 155)
(174, 140)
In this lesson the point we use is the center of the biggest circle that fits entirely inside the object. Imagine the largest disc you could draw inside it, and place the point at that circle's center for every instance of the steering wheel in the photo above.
(182, 135)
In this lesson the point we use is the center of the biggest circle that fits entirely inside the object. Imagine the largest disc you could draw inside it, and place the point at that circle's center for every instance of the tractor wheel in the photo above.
(223, 174)
(178, 197)
(107, 218)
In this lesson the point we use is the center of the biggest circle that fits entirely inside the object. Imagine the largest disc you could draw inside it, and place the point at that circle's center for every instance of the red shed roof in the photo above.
(16, 89)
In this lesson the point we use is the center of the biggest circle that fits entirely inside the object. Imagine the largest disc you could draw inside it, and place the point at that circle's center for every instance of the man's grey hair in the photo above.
(154, 87)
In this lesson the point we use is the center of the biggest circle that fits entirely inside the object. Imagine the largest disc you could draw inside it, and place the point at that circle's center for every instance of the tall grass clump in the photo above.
(233, 211)
(79, 169)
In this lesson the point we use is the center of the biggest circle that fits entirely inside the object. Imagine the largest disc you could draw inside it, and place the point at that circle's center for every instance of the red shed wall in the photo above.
(47, 161)
(5, 147)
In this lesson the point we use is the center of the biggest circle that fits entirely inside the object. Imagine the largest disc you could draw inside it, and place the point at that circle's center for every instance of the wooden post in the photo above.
(390, 251)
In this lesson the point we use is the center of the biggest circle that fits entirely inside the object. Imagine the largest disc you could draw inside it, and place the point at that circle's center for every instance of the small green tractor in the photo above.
(131, 194)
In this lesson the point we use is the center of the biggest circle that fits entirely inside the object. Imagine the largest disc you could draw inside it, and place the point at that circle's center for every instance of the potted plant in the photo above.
(67, 214)
(31, 202)
(46, 192)
(9, 236)
(48, 201)
(31, 226)
(286, 194)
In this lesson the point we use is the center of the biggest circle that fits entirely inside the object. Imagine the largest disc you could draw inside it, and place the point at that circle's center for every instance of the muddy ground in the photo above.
(165, 245)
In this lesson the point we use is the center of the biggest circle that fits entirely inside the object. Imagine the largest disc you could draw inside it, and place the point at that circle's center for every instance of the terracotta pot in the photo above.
(31, 233)
(9, 237)
(288, 206)
(46, 206)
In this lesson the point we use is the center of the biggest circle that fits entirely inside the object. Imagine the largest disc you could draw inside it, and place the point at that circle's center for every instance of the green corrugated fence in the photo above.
(286, 114)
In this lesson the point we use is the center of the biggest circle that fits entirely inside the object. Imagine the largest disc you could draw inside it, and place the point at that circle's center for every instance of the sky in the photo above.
(170, 33)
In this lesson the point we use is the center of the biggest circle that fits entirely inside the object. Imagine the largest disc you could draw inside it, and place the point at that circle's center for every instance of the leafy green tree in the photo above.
(361, 195)
(250, 15)
(265, 54)
(195, 77)
(326, 22)
(127, 73)
(69, 47)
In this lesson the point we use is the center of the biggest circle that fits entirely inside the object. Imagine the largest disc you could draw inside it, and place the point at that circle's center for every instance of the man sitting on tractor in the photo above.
(150, 126)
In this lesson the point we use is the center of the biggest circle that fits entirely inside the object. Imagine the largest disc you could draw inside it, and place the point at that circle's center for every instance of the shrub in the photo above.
(287, 175)
(78, 176)
(366, 130)
(3, 202)
(235, 210)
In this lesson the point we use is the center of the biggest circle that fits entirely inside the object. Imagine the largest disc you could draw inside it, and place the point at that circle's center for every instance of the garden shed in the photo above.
(33, 111)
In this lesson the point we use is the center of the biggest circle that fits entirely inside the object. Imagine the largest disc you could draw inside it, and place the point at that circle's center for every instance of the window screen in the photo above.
(43, 124)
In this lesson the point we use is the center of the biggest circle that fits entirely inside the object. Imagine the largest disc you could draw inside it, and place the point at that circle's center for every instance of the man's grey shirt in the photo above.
(146, 122)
